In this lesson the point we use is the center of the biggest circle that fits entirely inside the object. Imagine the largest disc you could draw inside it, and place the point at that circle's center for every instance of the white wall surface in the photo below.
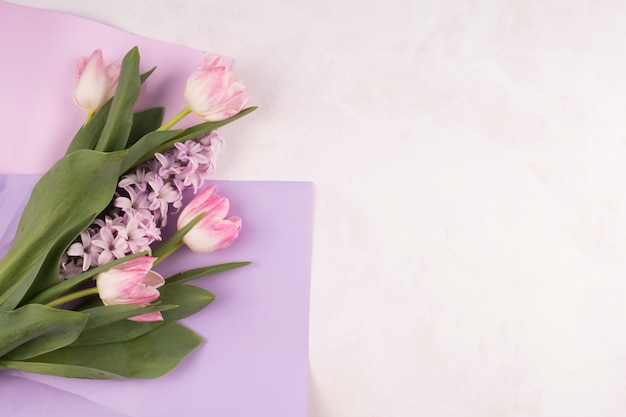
(469, 162)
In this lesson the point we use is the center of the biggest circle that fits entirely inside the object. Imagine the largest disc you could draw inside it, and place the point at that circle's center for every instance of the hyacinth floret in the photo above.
(144, 198)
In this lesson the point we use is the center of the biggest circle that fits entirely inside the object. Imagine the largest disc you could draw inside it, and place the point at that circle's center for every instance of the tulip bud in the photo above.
(213, 231)
(95, 83)
(214, 92)
(131, 282)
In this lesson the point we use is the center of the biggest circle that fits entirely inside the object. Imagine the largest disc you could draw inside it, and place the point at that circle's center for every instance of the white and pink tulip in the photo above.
(131, 282)
(213, 92)
(95, 82)
(214, 231)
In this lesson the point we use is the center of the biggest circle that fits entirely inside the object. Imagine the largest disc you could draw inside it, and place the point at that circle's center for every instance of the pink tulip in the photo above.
(213, 92)
(131, 282)
(95, 83)
(214, 231)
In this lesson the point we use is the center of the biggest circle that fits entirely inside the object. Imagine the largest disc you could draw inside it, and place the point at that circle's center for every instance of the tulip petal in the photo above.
(212, 236)
(147, 317)
(153, 279)
(213, 231)
(131, 282)
(95, 82)
(213, 92)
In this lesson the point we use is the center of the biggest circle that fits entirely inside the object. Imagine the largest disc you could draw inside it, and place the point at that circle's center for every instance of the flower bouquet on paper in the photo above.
(78, 293)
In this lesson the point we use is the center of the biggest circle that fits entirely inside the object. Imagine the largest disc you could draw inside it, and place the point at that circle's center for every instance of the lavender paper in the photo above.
(254, 361)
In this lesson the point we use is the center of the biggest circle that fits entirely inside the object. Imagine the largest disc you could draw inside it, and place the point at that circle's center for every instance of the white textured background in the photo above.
(469, 162)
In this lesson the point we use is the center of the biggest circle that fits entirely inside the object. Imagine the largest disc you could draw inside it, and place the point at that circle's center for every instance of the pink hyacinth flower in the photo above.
(214, 92)
(95, 83)
(214, 231)
(131, 282)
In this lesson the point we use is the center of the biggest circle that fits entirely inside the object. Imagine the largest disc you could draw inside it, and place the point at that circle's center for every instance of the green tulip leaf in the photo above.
(62, 287)
(175, 241)
(146, 147)
(48, 275)
(103, 315)
(88, 135)
(79, 185)
(118, 124)
(119, 331)
(36, 329)
(149, 356)
(204, 128)
(203, 272)
(12, 297)
(143, 77)
(189, 299)
(145, 122)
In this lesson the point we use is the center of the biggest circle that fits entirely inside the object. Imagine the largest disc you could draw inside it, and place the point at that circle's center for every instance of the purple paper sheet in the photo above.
(254, 361)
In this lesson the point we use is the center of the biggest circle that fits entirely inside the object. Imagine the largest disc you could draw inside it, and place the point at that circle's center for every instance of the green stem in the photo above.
(170, 251)
(175, 241)
(69, 284)
(72, 296)
(89, 116)
(184, 112)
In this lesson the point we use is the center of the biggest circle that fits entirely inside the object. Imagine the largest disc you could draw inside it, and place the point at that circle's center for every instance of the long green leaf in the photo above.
(146, 147)
(48, 275)
(119, 331)
(189, 299)
(13, 296)
(79, 184)
(206, 127)
(71, 283)
(145, 122)
(88, 135)
(148, 356)
(36, 329)
(117, 127)
(103, 315)
(175, 241)
(149, 141)
(143, 77)
(203, 272)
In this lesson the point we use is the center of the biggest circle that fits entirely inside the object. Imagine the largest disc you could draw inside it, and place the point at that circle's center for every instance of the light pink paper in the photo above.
(39, 51)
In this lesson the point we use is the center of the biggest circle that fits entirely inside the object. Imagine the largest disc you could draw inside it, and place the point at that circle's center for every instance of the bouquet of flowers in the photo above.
(78, 296)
